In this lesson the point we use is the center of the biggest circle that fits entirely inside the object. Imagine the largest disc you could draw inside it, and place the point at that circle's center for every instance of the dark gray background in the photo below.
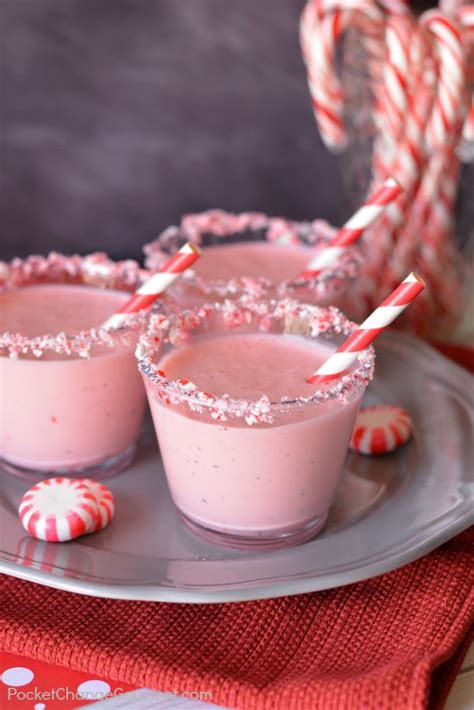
(117, 116)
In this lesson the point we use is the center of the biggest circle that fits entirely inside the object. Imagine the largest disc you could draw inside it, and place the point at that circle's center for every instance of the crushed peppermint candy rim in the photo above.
(216, 226)
(175, 329)
(95, 270)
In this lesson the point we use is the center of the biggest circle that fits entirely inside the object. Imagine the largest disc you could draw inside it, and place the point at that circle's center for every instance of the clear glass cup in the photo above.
(241, 267)
(71, 404)
(251, 474)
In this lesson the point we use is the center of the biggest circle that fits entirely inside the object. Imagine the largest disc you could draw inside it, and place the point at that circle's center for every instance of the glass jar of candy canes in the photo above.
(393, 96)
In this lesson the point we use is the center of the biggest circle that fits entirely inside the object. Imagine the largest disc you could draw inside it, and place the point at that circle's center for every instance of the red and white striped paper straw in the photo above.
(353, 228)
(158, 283)
(349, 351)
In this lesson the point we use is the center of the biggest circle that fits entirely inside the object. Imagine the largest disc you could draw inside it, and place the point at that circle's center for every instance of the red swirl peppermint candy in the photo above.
(59, 509)
(381, 429)
(105, 503)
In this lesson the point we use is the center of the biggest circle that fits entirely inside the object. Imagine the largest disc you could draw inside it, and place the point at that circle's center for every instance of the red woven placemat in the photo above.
(384, 643)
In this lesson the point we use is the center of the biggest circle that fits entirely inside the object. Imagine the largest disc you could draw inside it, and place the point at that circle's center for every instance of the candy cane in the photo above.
(468, 129)
(407, 170)
(321, 27)
(465, 15)
(407, 57)
(451, 79)
(326, 92)
(450, 7)
(432, 202)
(439, 230)
(396, 7)
(371, 328)
(396, 74)
(434, 205)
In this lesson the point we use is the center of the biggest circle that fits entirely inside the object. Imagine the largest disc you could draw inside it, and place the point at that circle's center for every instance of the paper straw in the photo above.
(349, 351)
(158, 283)
(353, 228)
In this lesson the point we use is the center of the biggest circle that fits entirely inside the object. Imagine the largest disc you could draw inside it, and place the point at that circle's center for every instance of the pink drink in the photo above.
(267, 479)
(53, 308)
(254, 260)
(63, 412)
(251, 253)
(230, 269)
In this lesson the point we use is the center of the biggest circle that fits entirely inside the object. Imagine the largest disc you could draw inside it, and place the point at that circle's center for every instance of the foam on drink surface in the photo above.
(254, 260)
(247, 366)
(54, 308)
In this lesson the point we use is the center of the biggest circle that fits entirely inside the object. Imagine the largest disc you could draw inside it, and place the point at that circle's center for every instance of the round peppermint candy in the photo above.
(105, 503)
(58, 509)
(381, 429)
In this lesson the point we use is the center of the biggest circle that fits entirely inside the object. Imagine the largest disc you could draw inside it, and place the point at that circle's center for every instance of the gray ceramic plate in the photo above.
(389, 510)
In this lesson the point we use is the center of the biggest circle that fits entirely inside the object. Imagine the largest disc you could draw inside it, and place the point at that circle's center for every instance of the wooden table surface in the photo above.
(461, 696)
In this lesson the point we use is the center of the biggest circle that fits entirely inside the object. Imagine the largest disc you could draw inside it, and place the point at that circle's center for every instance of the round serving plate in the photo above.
(389, 510)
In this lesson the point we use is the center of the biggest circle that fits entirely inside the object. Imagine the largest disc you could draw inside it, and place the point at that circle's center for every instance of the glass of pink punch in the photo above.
(251, 253)
(253, 453)
(72, 400)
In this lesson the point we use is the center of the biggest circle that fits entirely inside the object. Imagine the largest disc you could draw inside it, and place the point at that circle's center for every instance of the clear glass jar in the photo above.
(440, 313)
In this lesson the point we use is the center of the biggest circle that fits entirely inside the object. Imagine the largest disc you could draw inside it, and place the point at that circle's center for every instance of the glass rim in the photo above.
(327, 322)
(94, 270)
(221, 225)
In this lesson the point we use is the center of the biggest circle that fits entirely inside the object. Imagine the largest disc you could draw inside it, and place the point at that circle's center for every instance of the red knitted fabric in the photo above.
(386, 643)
